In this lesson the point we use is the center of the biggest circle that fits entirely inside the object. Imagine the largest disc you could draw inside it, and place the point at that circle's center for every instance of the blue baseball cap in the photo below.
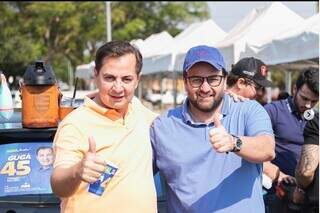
(203, 53)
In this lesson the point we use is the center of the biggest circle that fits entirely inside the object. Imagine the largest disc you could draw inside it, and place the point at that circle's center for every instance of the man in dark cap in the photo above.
(248, 77)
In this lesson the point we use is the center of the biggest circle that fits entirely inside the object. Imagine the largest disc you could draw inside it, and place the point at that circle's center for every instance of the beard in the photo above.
(209, 107)
(300, 109)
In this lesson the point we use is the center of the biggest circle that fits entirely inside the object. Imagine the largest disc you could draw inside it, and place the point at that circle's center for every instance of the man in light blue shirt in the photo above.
(210, 150)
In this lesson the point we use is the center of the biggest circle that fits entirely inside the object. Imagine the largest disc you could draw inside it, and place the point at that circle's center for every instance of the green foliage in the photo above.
(132, 20)
(16, 45)
(278, 77)
(63, 32)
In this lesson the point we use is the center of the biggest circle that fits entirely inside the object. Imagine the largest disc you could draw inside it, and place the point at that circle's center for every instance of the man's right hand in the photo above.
(92, 165)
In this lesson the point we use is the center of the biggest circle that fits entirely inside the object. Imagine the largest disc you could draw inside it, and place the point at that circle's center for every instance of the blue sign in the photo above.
(25, 168)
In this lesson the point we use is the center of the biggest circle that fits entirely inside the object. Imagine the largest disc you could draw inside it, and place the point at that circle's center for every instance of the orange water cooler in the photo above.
(40, 97)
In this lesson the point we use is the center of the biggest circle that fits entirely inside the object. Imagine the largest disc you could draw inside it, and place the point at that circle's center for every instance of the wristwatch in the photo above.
(237, 144)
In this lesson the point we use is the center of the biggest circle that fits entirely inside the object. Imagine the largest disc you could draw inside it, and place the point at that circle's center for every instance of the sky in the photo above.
(227, 14)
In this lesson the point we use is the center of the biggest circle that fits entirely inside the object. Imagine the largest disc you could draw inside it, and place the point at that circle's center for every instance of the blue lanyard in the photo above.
(300, 118)
(288, 105)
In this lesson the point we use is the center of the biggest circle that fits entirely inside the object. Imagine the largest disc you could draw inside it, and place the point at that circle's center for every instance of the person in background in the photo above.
(283, 95)
(306, 192)
(275, 91)
(288, 122)
(247, 78)
(110, 127)
(263, 100)
(210, 150)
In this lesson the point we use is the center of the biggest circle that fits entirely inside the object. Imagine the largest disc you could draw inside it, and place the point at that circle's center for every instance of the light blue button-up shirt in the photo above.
(198, 179)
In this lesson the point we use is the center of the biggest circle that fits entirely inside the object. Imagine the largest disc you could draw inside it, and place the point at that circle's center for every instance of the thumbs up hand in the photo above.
(220, 139)
(92, 165)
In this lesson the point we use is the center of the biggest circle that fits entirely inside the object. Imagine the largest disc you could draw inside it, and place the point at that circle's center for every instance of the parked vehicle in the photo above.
(12, 133)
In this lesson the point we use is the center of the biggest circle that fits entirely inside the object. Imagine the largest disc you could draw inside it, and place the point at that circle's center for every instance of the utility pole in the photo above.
(70, 74)
(108, 20)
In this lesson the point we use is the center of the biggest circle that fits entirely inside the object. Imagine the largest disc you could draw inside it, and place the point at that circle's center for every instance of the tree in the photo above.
(37, 31)
(70, 32)
(16, 45)
(131, 20)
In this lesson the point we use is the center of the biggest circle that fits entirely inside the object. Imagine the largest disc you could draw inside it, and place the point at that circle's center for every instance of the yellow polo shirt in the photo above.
(124, 142)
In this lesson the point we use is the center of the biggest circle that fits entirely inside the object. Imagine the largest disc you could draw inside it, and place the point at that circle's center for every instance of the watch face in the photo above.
(238, 145)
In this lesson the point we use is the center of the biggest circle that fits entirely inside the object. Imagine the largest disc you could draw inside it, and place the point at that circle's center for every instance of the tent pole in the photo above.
(108, 20)
(140, 89)
(70, 75)
(288, 81)
(174, 88)
(161, 90)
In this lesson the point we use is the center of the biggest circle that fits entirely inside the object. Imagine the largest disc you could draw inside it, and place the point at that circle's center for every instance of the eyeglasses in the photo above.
(197, 81)
(257, 87)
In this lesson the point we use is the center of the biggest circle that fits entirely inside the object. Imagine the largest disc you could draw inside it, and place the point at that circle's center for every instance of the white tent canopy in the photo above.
(227, 46)
(301, 42)
(207, 32)
(155, 44)
(255, 28)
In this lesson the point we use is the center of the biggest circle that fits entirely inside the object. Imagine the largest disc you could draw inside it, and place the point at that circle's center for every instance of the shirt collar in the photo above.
(112, 114)
(292, 106)
(186, 116)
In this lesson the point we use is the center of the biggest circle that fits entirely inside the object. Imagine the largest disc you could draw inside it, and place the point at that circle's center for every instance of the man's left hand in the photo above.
(220, 139)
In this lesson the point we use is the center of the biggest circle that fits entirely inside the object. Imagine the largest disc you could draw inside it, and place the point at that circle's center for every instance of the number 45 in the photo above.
(23, 168)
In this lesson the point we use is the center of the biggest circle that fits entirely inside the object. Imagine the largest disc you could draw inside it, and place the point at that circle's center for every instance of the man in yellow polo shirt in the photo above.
(109, 128)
